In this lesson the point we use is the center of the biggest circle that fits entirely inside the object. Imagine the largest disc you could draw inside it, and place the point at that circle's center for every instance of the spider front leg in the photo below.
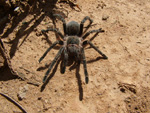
(94, 47)
(63, 20)
(53, 45)
(82, 24)
(85, 67)
(55, 30)
(52, 64)
(93, 31)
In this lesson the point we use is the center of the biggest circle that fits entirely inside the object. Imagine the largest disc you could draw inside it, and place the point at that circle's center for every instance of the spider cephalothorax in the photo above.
(73, 44)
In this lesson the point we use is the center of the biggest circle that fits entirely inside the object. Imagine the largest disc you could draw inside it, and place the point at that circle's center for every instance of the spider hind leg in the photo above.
(85, 67)
(82, 24)
(52, 64)
(64, 62)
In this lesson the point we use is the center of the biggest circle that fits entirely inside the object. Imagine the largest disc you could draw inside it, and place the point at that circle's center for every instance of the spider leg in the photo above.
(92, 45)
(88, 33)
(82, 24)
(85, 67)
(55, 30)
(63, 20)
(55, 43)
(52, 64)
(65, 61)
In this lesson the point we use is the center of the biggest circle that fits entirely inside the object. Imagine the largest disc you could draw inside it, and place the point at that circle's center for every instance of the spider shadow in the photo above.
(6, 74)
(97, 59)
(54, 71)
(50, 76)
(50, 42)
(25, 34)
(76, 65)
(23, 30)
(43, 67)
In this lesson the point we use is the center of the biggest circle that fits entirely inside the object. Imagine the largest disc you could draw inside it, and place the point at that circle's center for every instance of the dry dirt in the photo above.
(120, 84)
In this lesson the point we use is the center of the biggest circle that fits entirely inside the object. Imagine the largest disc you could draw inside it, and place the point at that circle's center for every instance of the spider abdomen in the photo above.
(73, 50)
(73, 46)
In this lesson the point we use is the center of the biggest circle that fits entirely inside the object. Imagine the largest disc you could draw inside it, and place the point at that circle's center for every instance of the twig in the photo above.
(33, 83)
(70, 2)
(7, 59)
(29, 81)
(14, 102)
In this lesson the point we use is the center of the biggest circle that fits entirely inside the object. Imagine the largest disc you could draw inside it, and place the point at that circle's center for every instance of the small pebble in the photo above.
(22, 92)
(105, 17)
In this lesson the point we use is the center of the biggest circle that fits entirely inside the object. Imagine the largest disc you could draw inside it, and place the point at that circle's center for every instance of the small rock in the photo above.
(39, 98)
(38, 33)
(22, 92)
(105, 17)
(16, 9)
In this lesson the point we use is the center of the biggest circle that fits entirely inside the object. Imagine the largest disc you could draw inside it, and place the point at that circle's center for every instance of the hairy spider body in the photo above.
(72, 45)
(73, 28)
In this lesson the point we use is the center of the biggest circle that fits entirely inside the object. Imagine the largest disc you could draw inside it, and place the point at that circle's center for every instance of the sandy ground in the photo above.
(120, 84)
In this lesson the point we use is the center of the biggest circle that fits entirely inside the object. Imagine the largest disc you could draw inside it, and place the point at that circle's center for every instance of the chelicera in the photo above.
(72, 44)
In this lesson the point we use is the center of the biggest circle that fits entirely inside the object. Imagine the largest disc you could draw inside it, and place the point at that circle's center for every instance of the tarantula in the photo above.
(72, 43)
